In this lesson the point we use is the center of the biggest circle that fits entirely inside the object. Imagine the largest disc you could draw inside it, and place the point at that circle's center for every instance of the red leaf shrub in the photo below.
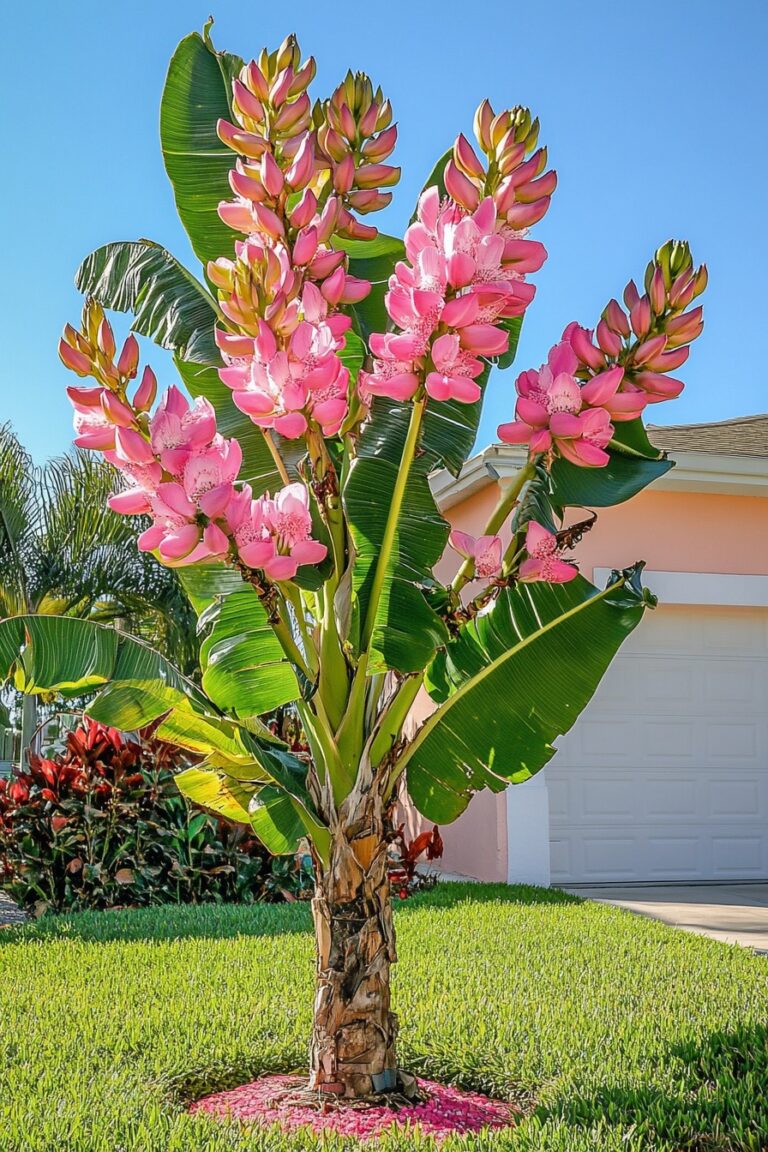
(103, 826)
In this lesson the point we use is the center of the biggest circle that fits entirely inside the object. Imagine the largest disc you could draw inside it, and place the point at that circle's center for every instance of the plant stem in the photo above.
(279, 462)
(506, 503)
(393, 718)
(398, 495)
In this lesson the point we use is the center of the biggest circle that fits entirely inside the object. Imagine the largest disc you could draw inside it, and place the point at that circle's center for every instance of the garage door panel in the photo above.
(665, 777)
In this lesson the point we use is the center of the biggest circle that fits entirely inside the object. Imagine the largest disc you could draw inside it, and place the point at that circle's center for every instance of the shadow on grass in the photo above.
(722, 1104)
(223, 921)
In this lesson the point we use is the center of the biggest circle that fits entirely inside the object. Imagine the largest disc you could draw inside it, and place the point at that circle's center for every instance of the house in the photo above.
(665, 775)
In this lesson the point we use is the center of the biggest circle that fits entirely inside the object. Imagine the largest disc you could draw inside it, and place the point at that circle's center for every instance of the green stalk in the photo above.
(351, 736)
(506, 503)
(395, 508)
(392, 720)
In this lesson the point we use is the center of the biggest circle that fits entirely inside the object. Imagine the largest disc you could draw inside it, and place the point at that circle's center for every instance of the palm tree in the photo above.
(64, 553)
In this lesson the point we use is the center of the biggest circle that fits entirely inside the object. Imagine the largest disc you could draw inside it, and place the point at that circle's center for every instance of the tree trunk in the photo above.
(352, 1052)
(30, 737)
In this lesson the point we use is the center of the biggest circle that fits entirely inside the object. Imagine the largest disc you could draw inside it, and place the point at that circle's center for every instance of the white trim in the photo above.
(528, 850)
(694, 472)
(743, 591)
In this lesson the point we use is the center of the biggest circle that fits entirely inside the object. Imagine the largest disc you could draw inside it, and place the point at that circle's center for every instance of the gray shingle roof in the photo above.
(744, 436)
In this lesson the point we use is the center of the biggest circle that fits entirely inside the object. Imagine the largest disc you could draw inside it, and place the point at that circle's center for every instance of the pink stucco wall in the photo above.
(672, 532)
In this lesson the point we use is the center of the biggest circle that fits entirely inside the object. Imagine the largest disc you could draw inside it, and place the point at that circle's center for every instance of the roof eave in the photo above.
(694, 472)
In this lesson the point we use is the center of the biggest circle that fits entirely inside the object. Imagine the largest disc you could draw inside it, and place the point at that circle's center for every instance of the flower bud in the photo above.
(305, 246)
(146, 391)
(460, 188)
(355, 290)
(293, 117)
(534, 189)
(303, 78)
(682, 329)
(384, 118)
(106, 339)
(376, 176)
(332, 143)
(246, 103)
(631, 295)
(682, 291)
(75, 360)
(115, 410)
(249, 187)
(646, 351)
(657, 291)
(580, 340)
(368, 200)
(269, 221)
(380, 146)
(128, 363)
(271, 176)
(616, 318)
(466, 158)
(305, 210)
(525, 215)
(344, 174)
(668, 361)
(278, 91)
(482, 125)
(254, 78)
(640, 317)
(333, 287)
(289, 53)
(608, 340)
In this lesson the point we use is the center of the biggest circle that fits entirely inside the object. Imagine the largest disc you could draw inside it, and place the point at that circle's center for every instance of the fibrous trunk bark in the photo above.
(352, 1051)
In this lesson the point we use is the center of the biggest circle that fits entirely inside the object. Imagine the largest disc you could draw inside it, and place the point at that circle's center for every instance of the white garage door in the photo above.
(665, 776)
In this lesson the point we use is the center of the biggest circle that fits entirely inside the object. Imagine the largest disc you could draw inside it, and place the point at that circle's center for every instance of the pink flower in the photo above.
(455, 372)
(543, 562)
(484, 551)
(274, 535)
(552, 412)
(465, 272)
(177, 430)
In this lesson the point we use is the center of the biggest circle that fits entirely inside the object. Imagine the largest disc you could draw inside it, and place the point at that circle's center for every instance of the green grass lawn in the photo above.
(613, 1031)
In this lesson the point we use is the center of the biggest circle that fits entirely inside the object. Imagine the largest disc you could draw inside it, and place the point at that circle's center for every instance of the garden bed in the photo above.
(606, 1031)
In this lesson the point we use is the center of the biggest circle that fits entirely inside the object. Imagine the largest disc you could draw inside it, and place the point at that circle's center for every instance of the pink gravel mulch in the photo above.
(446, 1111)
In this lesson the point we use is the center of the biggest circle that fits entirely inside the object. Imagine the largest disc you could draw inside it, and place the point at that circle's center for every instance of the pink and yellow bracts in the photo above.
(467, 262)
(178, 469)
(300, 177)
(592, 381)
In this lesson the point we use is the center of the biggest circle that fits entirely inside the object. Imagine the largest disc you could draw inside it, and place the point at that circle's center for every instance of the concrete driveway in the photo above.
(735, 913)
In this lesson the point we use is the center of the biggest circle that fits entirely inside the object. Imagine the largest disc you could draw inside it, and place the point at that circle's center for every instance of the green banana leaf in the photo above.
(514, 679)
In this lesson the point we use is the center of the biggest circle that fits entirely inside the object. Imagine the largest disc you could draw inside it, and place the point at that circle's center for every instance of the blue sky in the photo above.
(654, 116)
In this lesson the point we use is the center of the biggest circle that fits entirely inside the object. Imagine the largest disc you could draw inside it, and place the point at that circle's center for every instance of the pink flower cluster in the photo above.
(467, 259)
(570, 405)
(178, 469)
(462, 277)
(555, 413)
(297, 182)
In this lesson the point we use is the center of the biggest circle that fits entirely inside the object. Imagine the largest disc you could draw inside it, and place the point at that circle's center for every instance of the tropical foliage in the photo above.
(103, 825)
(331, 369)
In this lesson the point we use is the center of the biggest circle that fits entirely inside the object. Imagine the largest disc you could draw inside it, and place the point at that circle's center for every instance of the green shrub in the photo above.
(104, 826)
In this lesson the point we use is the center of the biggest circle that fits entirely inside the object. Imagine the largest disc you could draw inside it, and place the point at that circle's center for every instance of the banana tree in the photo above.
(331, 369)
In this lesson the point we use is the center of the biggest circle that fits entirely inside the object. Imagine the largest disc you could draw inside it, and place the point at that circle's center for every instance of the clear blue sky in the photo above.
(654, 115)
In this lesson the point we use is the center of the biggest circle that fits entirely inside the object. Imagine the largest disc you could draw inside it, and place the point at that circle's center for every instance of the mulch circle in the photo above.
(277, 1099)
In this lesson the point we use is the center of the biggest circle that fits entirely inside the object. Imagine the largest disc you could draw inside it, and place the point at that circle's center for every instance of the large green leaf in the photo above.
(196, 95)
(407, 630)
(513, 680)
(168, 304)
(244, 668)
(621, 479)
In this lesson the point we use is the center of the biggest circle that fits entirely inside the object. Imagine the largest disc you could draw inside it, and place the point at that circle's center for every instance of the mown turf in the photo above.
(615, 1032)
